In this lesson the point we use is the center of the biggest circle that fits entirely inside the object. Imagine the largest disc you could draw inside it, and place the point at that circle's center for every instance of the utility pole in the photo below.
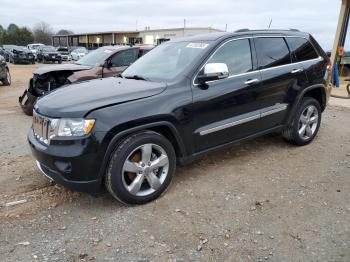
(226, 28)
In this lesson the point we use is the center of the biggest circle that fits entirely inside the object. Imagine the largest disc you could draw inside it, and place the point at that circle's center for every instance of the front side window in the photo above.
(236, 55)
(272, 51)
(124, 58)
(301, 49)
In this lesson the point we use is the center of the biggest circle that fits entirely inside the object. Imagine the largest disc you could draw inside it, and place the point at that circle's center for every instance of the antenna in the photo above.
(270, 23)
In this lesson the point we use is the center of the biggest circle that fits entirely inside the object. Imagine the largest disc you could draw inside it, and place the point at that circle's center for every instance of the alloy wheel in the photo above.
(308, 122)
(145, 169)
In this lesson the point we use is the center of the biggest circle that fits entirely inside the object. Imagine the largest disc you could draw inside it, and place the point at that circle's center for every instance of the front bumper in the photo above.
(24, 59)
(52, 59)
(66, 58)
(73, 164)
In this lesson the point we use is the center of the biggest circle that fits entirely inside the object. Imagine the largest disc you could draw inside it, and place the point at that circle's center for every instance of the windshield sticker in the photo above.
(108, 51)
(197, 45)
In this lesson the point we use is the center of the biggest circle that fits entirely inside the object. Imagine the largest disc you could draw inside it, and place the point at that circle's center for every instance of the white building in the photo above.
(147, 36)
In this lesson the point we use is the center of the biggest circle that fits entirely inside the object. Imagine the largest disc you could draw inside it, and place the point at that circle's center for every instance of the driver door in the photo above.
(120, 61)
(228, 109)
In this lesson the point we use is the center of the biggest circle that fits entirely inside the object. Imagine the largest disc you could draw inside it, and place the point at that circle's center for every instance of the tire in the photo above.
(121, 181)
(60, 61)
(7, 81)
(305, 123)
(348, 89)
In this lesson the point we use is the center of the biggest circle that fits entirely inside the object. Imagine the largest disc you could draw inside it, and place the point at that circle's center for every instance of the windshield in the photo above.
(33, 47)
(21, 48)
(49, 49)
(94, 57)
(62, 49)
(166, 61)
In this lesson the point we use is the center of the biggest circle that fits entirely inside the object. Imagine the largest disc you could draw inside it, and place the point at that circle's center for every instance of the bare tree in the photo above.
(43, 33)
(64, 32)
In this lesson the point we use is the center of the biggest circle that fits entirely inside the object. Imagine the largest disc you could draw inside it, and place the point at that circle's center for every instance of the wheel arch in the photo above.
(164, 128)
(317, 92)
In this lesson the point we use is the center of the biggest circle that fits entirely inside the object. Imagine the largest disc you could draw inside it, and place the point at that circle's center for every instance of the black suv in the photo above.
(48, 54)
(184, 98)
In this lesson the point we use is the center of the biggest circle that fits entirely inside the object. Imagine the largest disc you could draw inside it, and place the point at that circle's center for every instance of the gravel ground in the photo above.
(262, 200)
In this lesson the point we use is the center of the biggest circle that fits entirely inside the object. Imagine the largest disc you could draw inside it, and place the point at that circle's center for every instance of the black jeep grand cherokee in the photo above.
(184, 98)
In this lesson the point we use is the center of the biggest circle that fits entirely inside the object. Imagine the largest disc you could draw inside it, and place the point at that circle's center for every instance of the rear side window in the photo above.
(236, 55)
(272, 51)
(301, 49)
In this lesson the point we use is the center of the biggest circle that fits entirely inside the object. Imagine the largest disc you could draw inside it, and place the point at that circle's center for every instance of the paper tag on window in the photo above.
(197, 45)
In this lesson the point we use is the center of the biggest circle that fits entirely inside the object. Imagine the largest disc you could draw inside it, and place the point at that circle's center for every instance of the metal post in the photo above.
(341, 28)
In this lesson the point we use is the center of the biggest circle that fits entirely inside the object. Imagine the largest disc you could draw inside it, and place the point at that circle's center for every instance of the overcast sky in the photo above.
(317, 17)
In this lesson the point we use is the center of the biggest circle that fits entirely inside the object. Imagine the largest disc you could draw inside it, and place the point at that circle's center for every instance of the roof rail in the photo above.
(242, 30)
(295, 30)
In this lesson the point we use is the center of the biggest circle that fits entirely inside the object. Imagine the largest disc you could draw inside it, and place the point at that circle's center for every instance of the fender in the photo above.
(114, 141)
(299, 98)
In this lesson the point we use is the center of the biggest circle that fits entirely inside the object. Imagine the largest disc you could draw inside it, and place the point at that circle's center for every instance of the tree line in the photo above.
(41, 33)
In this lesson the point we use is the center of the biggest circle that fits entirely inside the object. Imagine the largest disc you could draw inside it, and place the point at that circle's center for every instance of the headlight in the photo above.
(70, 127)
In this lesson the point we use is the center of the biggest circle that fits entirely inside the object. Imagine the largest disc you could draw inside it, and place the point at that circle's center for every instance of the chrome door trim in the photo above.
(235, 123)
(273, 111)
(260, 114)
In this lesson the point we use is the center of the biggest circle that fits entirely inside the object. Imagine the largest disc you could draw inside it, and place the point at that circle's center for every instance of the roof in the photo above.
(243, 32)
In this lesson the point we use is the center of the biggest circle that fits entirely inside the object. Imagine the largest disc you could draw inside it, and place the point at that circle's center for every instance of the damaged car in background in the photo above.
(20, 55)
(103, 62)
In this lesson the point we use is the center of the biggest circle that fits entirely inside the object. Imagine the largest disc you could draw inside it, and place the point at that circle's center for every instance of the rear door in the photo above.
(120, 61)
(281, 78)
(304, 52)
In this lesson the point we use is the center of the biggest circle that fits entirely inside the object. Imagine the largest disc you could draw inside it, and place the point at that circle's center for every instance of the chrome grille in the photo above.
(41, 128)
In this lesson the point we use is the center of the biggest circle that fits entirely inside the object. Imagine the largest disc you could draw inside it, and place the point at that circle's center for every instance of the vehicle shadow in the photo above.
(242, 151)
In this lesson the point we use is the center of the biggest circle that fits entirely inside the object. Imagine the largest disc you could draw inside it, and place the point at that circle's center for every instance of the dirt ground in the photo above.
(262, 200)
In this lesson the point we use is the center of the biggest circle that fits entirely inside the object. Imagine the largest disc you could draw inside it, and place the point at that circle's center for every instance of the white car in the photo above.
(33, 48)
(78, 53)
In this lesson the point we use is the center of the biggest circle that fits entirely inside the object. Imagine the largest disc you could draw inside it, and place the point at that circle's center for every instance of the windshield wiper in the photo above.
(136, 77)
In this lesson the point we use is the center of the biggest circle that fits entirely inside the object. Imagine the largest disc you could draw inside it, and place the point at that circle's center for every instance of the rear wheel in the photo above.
(7, 80)
(305, 124)
(141, 168)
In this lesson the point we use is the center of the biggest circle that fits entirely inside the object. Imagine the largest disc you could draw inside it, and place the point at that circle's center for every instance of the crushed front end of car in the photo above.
(40, 85)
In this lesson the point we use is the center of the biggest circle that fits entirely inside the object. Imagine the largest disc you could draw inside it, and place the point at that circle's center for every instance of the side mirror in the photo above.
(107, 64)
(213, 71)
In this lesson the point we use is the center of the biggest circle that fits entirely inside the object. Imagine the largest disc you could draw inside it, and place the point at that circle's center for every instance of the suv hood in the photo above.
(77, 100)
(62, 67)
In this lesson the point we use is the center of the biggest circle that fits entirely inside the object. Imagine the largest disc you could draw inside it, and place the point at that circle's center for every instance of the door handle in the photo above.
(251, 81)
(294, 71)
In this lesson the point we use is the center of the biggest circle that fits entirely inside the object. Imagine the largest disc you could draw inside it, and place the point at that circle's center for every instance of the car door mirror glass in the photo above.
(213, 71)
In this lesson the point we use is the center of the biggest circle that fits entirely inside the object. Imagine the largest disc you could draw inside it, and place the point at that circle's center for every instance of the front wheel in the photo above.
(141, 168)
(7, 80)
(305, 123)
